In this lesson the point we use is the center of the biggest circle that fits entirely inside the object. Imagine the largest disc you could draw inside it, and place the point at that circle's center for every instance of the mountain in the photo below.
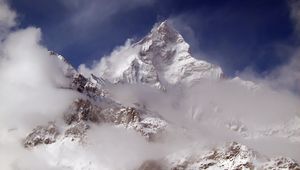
(161, 59)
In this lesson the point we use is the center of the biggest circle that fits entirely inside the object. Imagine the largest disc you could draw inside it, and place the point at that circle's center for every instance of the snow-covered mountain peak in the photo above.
(162, 57)
(165, 32)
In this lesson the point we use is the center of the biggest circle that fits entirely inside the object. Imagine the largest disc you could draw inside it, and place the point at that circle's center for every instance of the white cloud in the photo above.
(7, 16)
(29, 93)
(206, 108)
(7, 19)
(30, 77)
(86, 14)
(288, 75)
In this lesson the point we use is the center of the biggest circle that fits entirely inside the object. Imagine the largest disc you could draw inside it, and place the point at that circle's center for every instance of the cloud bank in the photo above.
(29, 93)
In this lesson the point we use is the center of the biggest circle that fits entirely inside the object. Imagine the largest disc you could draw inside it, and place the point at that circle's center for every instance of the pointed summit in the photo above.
(163, 26)
(165, 31)
(160, 58)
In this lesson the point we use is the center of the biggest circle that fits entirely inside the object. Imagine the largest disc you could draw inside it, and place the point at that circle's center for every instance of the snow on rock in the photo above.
(82, 113)
(77, 131)
(281, 163)
(151, 127)
(67, 68)
(42, 135)
(231, 156)
(162, 57)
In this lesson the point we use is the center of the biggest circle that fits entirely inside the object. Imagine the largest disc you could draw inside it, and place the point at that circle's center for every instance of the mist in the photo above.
(198, 116)
(29, 90)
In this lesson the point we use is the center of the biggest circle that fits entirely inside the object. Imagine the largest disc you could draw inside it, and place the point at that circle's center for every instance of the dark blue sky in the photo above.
(235, 34)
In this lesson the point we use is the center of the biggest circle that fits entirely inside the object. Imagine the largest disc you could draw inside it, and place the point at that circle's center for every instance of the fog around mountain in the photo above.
(148, 100)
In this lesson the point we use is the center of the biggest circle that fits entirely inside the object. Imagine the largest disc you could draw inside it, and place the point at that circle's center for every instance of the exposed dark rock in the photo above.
(77, 130)
(79, 82)
(42, 135)
(82, 110)
(151, 165)
(281, 163)
(127, 115)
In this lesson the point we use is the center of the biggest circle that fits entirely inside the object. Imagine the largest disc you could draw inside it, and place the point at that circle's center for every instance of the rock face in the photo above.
(82, 110)
(82, 113)
(161, 58)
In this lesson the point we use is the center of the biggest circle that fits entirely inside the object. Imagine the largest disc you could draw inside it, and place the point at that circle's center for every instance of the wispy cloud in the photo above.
(288, 75)
(7, 18)
(84, 16)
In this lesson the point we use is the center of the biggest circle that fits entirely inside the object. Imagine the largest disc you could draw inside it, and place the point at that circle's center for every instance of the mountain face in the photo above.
(160, 59)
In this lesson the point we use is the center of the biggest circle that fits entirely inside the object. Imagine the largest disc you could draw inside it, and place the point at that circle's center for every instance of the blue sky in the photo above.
(236, 34)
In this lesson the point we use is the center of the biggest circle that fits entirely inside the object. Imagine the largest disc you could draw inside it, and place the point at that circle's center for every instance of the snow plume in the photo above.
(29, 93)
(288, 75)
(117, 62)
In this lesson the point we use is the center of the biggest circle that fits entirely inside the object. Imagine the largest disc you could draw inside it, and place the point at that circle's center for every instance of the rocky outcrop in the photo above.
(116, 114)
(77, 131)
(232, 156)
(42, 135)
(82, 110)
(281, 163)
(89, 86)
